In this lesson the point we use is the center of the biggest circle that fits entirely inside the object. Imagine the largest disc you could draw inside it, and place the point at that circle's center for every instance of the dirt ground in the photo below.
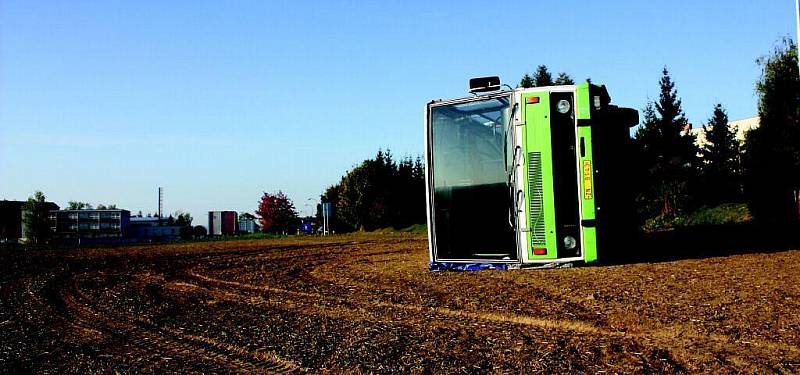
(368, 304)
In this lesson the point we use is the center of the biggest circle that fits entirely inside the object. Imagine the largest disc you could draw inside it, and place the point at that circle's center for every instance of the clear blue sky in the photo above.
(219, 101)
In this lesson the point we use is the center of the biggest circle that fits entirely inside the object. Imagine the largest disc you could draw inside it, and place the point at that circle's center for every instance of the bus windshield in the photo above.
(470, 185)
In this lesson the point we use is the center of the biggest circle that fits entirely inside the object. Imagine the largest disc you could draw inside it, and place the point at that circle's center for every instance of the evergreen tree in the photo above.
(668, 152)
(542, 77)
(678, 142)
(526, 82)
(648, 133)
(35, 218)
(720, 159)
(564, 79)
(772, 151)
(410, 190)
(646, 141)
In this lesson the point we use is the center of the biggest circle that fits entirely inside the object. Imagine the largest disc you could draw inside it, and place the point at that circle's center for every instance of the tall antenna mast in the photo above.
(160, 202)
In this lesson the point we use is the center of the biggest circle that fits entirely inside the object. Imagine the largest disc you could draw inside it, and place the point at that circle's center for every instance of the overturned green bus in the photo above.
(527, 177)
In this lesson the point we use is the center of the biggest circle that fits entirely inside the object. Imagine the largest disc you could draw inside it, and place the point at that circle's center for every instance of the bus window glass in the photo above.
(471, 196)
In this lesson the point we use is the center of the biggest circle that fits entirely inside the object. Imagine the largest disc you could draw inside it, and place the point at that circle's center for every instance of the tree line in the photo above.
(379, 193)
(76, 205)
(543, 77)
(675, 176)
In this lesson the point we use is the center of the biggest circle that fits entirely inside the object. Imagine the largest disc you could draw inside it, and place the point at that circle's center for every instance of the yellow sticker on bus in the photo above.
(587, 179)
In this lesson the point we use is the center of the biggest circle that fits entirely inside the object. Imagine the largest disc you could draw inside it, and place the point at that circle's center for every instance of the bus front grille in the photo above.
(536, 208)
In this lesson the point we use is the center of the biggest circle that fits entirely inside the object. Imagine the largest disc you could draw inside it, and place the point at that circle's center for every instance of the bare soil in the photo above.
(367, 303)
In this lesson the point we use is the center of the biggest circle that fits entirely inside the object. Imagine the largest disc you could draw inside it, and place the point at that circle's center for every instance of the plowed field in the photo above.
(367, 303)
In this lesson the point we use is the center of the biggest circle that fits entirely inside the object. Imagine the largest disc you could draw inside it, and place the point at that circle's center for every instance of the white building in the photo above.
(742, 127)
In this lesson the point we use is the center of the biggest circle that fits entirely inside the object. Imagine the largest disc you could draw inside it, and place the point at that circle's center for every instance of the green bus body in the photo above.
(544, 175)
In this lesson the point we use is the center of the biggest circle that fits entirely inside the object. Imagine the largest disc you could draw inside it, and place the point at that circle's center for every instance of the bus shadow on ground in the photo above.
(700, 242)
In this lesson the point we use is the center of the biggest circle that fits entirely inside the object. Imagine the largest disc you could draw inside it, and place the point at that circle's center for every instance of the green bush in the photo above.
(416, 229)
(727, 213)
(724, 214)
(663, 222)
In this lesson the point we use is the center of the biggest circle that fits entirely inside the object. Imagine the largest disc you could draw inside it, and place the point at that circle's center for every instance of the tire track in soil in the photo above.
(687, 342)
(151, 338)
(332, 250)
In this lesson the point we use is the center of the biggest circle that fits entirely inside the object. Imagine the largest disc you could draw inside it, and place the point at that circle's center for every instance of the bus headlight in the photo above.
(570, 242)
(563, 106)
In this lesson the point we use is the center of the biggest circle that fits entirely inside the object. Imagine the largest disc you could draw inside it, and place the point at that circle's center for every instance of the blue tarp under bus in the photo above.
(462, 267)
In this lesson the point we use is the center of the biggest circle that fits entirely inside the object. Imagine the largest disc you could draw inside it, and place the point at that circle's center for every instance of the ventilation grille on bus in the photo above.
(536, 201)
